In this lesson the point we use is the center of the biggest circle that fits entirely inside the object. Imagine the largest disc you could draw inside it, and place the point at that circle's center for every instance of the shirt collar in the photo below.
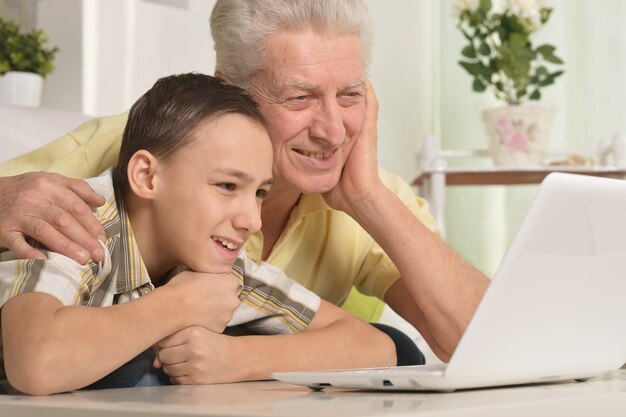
(131, 272)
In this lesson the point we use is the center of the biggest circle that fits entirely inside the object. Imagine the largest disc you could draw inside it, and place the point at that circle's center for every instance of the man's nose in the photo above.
(328, 123)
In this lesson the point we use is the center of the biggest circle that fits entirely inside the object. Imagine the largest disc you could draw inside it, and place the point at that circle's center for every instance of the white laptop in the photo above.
(555, 310)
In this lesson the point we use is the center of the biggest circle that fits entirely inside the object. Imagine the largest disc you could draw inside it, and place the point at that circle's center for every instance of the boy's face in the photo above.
(210, 192)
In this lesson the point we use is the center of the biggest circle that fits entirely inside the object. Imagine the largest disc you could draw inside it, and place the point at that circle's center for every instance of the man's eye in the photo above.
(350, 98)
(227, 186)
(352, 94)
(299, 98)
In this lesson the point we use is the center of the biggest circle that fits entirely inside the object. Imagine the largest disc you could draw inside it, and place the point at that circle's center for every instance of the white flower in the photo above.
(529, 12)
(461, 6)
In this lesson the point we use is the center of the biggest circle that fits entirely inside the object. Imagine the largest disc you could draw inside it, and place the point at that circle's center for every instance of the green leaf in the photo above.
(469, 51)
(547, 52)
(485, 5)
(484, 49)
(536, 95)
(545, 14)
(550, 79)
(512, 24)
(470, 67)
(553, 59)
(556, 73)
(518, 41)
(484, 71)
(478, 86)
(546, 49)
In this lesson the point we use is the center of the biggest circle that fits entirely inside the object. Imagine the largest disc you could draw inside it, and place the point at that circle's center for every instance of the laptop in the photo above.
(555, 309)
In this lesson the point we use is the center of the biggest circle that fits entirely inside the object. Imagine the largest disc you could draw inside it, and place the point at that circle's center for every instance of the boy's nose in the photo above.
(248, 217)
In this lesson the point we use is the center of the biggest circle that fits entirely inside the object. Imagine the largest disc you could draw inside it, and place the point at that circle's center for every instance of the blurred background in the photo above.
(112, 51)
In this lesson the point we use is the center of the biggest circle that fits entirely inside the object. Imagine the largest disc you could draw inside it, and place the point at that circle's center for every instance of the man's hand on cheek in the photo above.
(360, 173)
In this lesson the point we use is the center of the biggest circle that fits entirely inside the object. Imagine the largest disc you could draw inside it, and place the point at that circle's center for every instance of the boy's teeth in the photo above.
(227, 244)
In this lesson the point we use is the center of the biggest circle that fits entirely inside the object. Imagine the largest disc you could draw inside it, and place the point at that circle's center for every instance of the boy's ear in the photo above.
(141, 171)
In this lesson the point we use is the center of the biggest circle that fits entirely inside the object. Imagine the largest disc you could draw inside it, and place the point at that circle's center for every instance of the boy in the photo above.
(195, 163)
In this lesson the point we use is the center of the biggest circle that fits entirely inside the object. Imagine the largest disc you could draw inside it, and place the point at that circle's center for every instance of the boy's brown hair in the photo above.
(165, 117)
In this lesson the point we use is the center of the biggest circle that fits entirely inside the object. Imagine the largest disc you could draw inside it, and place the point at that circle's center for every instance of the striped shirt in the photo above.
(271, 303)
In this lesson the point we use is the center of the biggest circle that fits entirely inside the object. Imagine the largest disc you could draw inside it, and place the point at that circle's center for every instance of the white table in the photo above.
(603, 396)
(432, 182)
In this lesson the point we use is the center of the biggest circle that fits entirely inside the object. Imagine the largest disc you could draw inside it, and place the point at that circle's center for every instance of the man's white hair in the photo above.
(241, 29)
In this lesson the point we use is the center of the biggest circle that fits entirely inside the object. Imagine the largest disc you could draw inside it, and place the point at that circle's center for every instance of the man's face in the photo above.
(210, 193)
(312, 94)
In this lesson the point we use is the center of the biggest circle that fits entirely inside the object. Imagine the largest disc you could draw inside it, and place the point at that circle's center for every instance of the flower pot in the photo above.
(21, 88)
(518, 135)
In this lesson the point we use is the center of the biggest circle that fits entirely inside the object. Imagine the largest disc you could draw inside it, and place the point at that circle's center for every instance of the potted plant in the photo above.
(501, 57)
(25, 59)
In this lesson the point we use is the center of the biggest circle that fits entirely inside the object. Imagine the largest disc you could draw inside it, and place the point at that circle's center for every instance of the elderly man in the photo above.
(332, 220)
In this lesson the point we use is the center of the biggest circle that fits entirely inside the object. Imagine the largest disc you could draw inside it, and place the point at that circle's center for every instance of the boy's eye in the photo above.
(227, 186)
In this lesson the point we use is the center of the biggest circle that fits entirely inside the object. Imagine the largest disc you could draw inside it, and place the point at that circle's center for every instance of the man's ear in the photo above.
(141, 171)
(218, 74)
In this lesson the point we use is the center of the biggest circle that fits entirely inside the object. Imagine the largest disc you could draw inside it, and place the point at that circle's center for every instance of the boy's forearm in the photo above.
(66, 348)
(345, 343)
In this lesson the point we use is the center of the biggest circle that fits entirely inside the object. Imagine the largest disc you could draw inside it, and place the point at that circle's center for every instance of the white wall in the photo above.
(402, 73)
(112, 51)
(62, 20)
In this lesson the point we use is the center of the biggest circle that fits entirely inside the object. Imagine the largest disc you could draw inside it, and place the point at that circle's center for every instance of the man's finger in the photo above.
(21, 248)
(371, 103)
(83, 227)
(85, 192)
(79, 226)
(56, 241)
(85, 217)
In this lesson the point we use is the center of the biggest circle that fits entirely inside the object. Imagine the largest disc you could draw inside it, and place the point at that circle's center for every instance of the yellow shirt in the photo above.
(323, 249)
(86, 152)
